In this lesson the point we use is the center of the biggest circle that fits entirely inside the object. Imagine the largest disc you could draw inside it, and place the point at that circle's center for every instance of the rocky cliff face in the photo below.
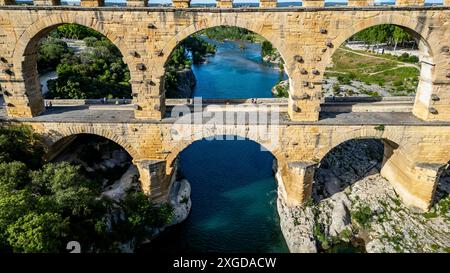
(186, 82)
(354, 209)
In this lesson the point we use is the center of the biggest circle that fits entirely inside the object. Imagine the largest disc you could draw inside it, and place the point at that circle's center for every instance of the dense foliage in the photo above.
(95, 72)
(44, 206)
(222, 33)
(389, 34)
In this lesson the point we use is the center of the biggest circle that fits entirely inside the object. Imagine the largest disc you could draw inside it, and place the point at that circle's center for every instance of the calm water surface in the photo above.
(233, 187)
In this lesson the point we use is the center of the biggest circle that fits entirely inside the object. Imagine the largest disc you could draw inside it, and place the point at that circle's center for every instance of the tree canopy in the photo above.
(45, 205)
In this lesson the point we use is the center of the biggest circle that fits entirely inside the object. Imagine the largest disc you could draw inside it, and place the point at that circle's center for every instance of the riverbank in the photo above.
(113, 168)
(354, 209)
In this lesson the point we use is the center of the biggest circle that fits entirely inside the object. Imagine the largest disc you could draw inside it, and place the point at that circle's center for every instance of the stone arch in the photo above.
(63, 133)
(253, 26)
(427, 42)
(369, 133)
(24, 55)
(198, 135)
(158, 68)
(367, 149)
(416, 28)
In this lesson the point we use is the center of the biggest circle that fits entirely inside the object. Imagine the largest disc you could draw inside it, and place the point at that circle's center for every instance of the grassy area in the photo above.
(395, 74)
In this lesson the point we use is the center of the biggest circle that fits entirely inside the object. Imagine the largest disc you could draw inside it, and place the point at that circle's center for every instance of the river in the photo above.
(233, 188)
(235, 71)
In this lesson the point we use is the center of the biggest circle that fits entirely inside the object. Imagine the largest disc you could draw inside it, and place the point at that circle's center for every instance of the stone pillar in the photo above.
(313, 3)
(446, 2)
(267, 3)
(409, 3)
(154, 181)
(181, 3)
(47, 2)
(433, 96)
(92, 3)
(414, 182)
(360, 3)
(224, 4)
(137, 3)
(295, 181)
(7, 2)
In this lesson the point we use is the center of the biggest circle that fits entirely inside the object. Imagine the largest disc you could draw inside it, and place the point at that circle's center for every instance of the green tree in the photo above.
(34, 233)
(50, 53)
(20, 143)
(72, 192)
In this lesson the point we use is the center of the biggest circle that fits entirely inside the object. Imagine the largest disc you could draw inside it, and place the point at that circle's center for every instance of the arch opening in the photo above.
(70, 61)
(441, 196)
(348, 163)
(101, 159)
(381, 61)
(233, 199)
(225, 62)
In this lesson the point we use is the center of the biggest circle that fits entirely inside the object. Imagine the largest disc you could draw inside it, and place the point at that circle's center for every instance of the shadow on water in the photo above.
(233, 201)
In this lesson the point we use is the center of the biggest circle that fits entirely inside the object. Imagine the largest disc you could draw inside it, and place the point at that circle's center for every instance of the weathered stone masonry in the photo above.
(306, 38)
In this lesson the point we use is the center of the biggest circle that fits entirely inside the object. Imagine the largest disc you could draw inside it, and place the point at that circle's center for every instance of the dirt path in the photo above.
(378, 57)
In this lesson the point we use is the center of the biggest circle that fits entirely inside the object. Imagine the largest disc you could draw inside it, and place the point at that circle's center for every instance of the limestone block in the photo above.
(137, 3)
(92, 3)
(313, 3)
(268, 3)
(409, 2)
(181, 3)
(47, 2)
(360, 3)
(224, 3)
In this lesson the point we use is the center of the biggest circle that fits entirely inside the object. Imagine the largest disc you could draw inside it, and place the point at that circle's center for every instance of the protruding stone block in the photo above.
(267, 3)
(360, 3)
(410, 3)
(224, 4)
(92, 3)
(304, 110)
(181, 3)
(7, 2)
(47, 2)
(313, 3)
(137, 3)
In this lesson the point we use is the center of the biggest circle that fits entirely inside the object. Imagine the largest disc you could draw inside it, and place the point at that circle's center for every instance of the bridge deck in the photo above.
(125, 114)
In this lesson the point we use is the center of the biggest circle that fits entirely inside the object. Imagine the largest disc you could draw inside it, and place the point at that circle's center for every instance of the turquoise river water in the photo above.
(233, 186)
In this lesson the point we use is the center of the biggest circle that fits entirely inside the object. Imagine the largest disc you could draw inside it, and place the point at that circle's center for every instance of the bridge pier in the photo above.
(433, 96)
(414, 182)
(295, 181)
(154, 180)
